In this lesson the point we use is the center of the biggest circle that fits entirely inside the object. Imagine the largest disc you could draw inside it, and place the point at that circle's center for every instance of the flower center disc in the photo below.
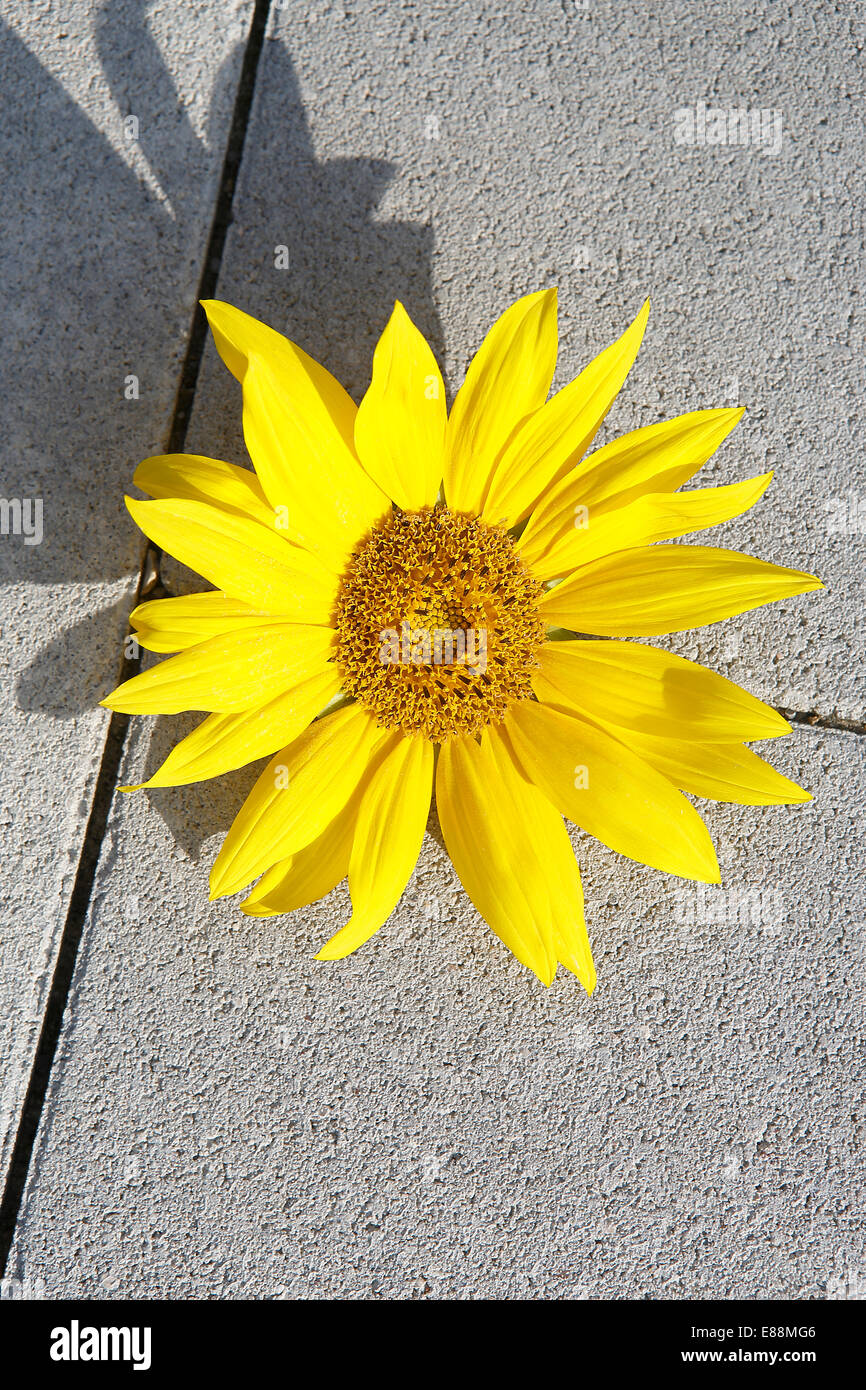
(437, 623)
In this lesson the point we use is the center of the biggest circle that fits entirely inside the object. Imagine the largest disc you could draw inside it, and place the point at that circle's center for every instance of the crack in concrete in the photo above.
(821, 721)
(149, 586)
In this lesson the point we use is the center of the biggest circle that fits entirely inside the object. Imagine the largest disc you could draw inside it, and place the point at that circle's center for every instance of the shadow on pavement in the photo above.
(84, 262)
(345, 271)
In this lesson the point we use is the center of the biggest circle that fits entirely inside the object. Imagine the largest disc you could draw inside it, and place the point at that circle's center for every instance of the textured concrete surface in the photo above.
(228, 1118)
(100, 257)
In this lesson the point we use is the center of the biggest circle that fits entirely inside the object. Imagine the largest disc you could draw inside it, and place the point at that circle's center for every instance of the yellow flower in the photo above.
(397, 593)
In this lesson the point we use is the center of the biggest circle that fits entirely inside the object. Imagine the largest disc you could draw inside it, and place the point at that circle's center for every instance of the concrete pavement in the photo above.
(226, 1118)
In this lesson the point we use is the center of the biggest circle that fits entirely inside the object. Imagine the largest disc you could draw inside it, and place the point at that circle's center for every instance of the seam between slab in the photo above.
(115, 739)
(820, 721)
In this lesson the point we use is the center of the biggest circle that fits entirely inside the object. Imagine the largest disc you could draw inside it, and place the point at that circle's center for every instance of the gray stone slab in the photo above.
(229, 1118)
(100, 257)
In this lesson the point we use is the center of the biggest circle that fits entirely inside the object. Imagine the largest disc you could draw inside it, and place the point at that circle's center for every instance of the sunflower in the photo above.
(401, 600)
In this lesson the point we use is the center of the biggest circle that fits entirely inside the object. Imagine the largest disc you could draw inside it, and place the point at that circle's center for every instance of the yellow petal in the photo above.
(300, 792)
(310, 874)
(224, 742)
(652, 692)
(550, 442)
(317, 392)
(258, 904)
(232, 672)
(247, 561)
(199, 479)
(548, 844)
(173, 624)
(719, 772)
(657, 516)
(610, 792)
(317, 868)
(299, 427)
(667, 588)
(305, 877)
(487, 819)
(387, 840)
(508, 378)
(400, 426)
(659, 458)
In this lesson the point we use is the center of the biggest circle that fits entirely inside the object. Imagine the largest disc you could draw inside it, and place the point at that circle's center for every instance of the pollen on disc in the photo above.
(438, 630)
